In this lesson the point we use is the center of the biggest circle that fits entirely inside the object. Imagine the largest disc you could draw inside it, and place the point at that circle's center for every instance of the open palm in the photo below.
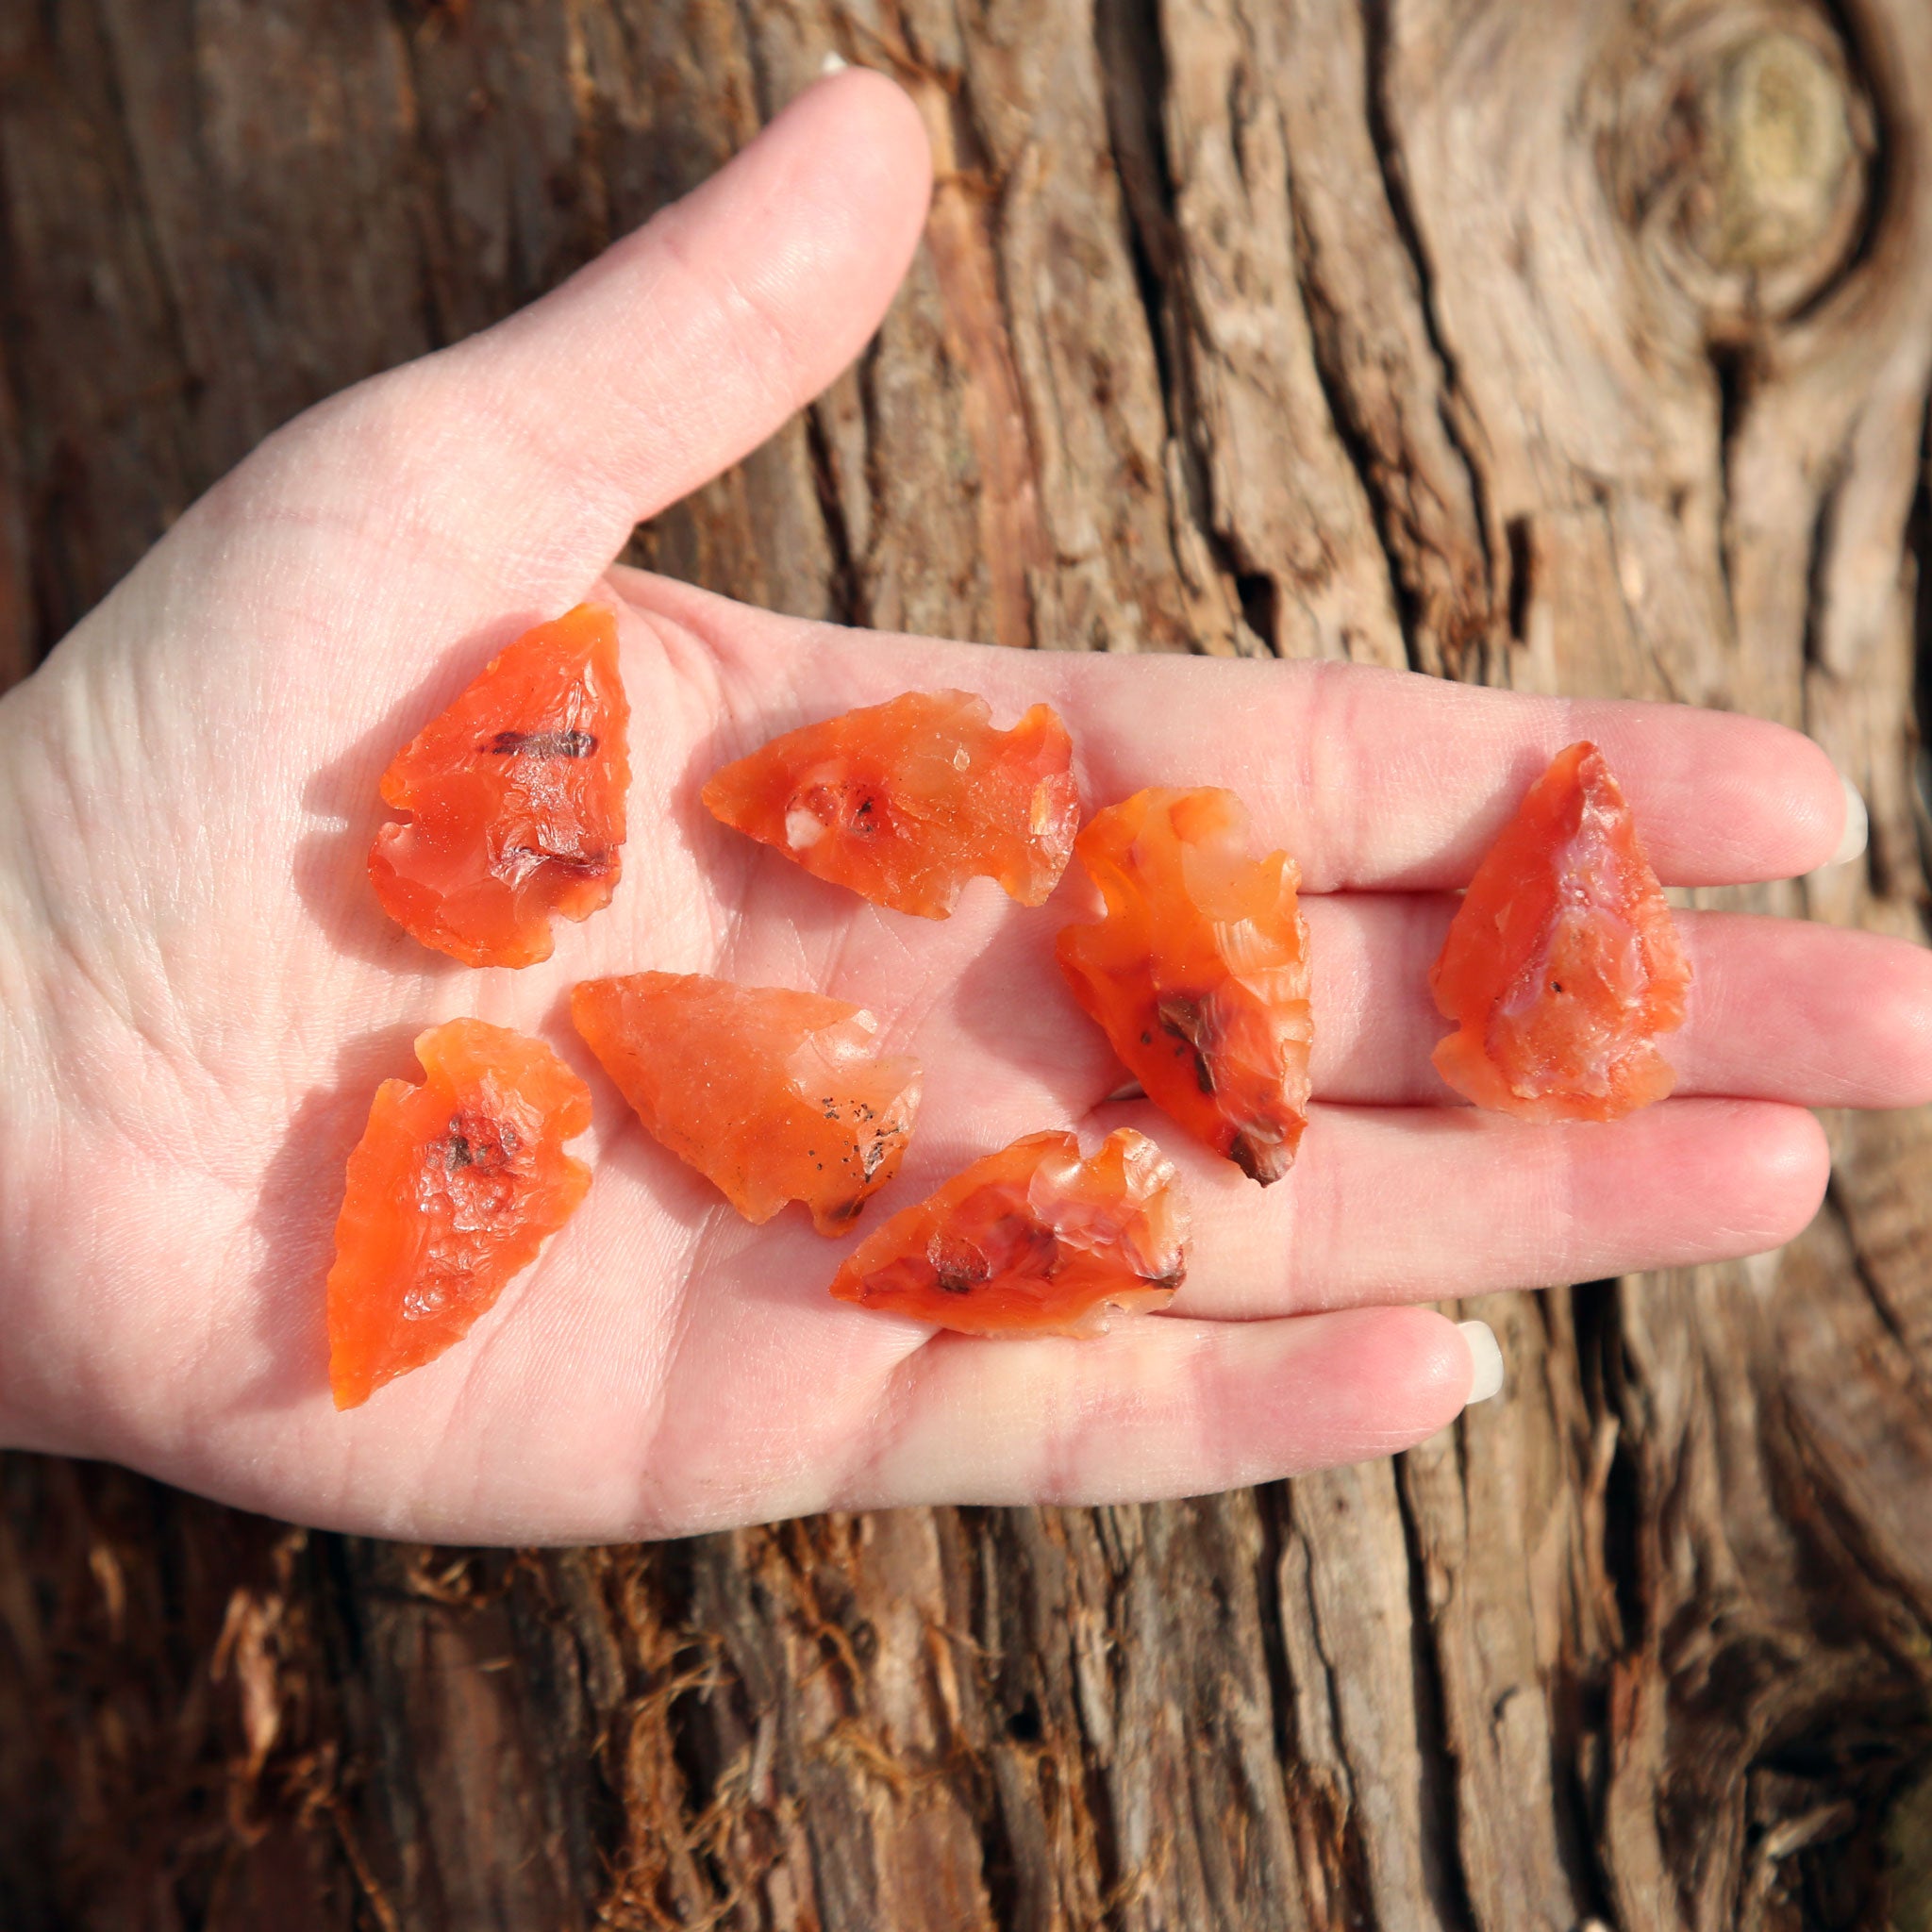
(198, 992)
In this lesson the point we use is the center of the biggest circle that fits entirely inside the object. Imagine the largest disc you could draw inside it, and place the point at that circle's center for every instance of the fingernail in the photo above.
(1858, 825)
(1486, 1355)
(833, 63)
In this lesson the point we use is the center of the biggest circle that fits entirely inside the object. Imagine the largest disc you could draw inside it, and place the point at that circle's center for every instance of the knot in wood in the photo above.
(1786, 164)
(1739, 154)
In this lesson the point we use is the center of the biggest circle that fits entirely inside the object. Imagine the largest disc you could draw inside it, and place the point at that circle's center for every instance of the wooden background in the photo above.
(1580, 345)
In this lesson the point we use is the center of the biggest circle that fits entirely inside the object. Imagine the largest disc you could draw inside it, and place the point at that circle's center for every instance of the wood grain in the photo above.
(1582, 347)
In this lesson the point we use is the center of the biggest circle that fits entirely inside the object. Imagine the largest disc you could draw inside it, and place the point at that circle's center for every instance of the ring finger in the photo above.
(1425, 1204)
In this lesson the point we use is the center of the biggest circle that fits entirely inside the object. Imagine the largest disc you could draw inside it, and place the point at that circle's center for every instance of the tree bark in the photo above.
(1582, 346)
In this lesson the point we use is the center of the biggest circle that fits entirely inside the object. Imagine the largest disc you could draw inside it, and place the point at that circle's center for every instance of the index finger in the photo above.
(1375, 780)
(1386, 780)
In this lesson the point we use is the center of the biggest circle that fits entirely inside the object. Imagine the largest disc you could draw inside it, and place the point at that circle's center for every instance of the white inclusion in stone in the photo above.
(803, 828)
(961, 758)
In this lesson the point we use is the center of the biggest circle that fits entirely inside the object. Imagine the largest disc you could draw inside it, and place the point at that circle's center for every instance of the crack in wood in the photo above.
(1452, 408)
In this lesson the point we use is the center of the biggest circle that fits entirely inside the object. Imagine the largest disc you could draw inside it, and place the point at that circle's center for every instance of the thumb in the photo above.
(530, 451)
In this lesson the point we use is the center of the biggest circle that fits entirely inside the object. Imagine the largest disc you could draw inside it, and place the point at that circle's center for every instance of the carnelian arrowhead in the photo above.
(1031, 1240)
(452, 1188)
(1562, 964)
(516, 797)
(904, 802)
(1199, 973)
(772, 1095)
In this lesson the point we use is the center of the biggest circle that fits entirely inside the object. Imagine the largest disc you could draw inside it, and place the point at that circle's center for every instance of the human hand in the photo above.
(198, 992)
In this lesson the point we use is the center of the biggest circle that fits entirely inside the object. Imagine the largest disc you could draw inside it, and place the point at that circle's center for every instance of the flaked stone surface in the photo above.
(1032, 1240)
(1563, 964)
(515, 797)
(455, 1185)
(772, 1095)
(1199, 973)
(904, 802)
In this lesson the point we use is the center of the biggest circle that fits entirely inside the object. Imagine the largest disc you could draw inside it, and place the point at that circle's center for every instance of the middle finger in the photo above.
(1778, 1009)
